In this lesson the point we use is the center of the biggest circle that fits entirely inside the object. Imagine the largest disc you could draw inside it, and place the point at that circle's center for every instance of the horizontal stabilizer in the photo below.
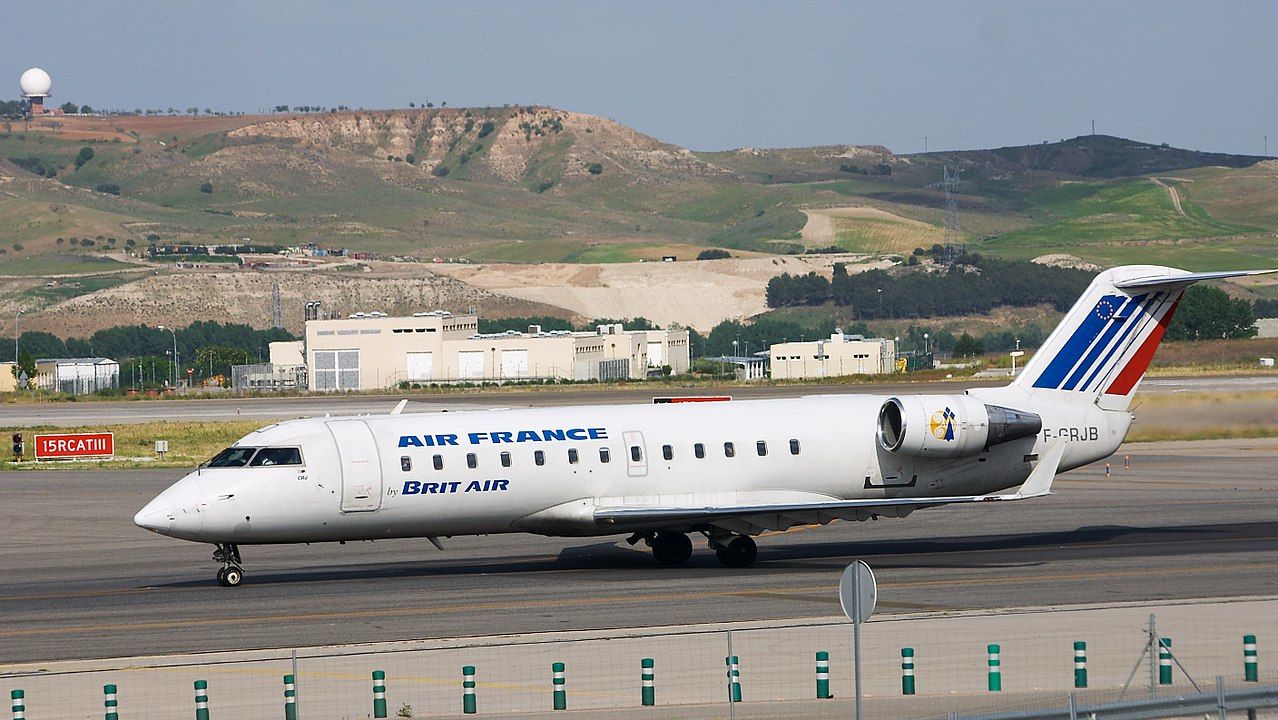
(1168, 279)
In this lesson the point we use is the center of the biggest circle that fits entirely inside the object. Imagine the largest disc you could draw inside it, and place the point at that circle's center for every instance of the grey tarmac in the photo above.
(269, 409)
(1188, 520)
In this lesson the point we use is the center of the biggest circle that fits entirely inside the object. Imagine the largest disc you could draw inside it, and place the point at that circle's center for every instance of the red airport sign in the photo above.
(74, 445)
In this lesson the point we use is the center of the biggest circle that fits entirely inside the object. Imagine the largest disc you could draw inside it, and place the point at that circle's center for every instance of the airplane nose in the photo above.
(157, 516)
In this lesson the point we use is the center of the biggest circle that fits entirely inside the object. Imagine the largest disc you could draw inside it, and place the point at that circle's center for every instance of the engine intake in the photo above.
(950, 426)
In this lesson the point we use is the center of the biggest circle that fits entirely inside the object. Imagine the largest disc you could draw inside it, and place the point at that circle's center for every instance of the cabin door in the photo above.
(636, 453)
(360, 464)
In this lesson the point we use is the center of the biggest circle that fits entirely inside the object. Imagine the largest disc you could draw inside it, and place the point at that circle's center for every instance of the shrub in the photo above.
(110, 188)
(713, 254)
(594, 168)
(439, 171)
(207, 188)
(486, 129)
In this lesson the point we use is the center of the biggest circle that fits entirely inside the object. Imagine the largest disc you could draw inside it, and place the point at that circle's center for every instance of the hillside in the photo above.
(541, 185)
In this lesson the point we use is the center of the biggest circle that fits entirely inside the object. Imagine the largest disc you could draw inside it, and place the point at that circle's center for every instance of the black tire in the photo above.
(221, 577)
(739, 553)
(672, 548)
(232, 576)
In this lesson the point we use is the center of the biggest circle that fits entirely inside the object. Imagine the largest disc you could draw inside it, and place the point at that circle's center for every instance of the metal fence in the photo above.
(969, 664)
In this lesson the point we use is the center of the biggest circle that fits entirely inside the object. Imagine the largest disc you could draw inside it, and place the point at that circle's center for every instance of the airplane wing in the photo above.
(780, 516)
(1161, 280)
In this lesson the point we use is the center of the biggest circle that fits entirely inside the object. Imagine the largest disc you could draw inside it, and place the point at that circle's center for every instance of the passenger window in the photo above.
(794, 447)
(636, 453)
(472, 462)
(572, 456)
(405, 463)
(267, 457)
(539, 458)
(729, 450)
(699, 450)
(505, 459)
(438, 461)
(761, 447)
(667, 452)
(604, 455)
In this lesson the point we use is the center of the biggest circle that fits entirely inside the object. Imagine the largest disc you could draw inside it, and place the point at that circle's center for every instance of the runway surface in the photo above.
(267, 409)
(1187, 520)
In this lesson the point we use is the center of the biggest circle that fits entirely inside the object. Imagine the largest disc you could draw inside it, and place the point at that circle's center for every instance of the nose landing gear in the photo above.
(231, 574)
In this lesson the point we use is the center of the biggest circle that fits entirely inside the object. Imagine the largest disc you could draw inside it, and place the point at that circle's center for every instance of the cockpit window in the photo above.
(268, 457)
(232, 457)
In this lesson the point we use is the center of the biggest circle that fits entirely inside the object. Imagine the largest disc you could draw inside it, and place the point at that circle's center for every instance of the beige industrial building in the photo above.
(839, 355)
(369, 351)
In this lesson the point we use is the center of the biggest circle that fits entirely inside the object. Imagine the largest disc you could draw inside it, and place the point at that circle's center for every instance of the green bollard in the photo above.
(1164, 661)
(1080, 664)
(19, 704)
(201, 700)
(907, 671)
(995, 669)
(557, 683)
(290, 698)
(648, 692)
(110, 702)
(379, 693)
(468, 690)
(823, 675)
(734, 678)
(1251, 671)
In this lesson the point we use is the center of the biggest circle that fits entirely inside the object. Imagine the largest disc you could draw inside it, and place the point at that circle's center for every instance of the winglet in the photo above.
(1039, 482)
(400, 407)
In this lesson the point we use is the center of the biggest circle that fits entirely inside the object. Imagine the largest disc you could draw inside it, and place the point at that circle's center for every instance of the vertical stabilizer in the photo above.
(1102, 348)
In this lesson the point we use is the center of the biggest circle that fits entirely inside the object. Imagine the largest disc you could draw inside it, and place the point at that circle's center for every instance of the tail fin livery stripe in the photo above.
(1135, 368)
(1087, 330)
(1144, 313)
(1130, 315)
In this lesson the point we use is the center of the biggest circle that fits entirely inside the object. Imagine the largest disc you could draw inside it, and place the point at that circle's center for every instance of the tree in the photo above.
(70, 108)
(788, 290)
(594, 168)
(967, 346)
(713, 254)
(110, 188)
(84, 156)
(1208, 313)
(86, 110)
(26, 365)
(207, 188)
(486, 129)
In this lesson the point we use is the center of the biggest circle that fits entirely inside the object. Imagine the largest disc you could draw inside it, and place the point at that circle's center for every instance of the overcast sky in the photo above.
(706, 75)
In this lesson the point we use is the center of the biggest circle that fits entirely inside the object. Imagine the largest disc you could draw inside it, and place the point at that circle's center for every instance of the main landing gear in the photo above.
(231, 574)
(674, 548)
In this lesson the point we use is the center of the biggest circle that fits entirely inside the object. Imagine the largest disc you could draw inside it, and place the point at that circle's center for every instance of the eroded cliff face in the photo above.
(495, 144)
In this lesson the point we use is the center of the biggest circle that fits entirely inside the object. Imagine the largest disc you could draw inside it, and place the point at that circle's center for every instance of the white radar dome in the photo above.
(35, 82)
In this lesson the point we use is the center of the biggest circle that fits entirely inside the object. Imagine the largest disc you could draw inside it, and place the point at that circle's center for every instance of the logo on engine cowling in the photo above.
(942, 424)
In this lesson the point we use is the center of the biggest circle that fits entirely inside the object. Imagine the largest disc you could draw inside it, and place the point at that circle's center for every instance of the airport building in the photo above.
(839, 355)
(77, 376)
(368, 351)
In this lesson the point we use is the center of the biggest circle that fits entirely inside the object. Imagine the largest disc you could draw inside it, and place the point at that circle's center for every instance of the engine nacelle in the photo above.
(949, 426)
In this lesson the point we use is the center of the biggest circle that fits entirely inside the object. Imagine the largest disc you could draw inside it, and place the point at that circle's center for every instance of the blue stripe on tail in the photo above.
(1091, 326)
(1129, 312)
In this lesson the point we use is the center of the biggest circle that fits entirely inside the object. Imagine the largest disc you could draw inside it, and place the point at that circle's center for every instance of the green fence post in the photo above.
(1251, 671)
(907, 671)
(201, 700)
(110, 703)
(379, 693)
(823, 675)
(290, 698)
(648, 691)
(734, 678)
(557, 683)
(468, 690)
(995, 669)
(19, 704)
(1080, 664)
(1164, 661)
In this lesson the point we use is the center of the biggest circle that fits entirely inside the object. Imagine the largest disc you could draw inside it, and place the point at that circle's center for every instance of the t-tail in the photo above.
(1102, 348)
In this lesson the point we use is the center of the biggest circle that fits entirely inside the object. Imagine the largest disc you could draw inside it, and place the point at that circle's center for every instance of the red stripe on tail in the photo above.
(1139, 363)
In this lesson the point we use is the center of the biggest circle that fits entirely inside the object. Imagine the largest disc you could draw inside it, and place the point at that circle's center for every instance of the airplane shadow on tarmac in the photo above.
(979, 551)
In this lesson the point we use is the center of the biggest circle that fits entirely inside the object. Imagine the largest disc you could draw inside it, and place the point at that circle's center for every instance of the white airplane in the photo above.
(726, 470)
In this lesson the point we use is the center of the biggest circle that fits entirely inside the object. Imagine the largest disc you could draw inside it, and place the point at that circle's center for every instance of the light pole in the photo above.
(175, 355)
(880, 294)
(925, 346)
(16, 313)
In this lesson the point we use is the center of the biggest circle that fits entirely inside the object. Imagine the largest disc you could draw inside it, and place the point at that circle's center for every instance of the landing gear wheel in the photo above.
(740, 552)
(231, 576)
(671, 548)
(221, 577)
